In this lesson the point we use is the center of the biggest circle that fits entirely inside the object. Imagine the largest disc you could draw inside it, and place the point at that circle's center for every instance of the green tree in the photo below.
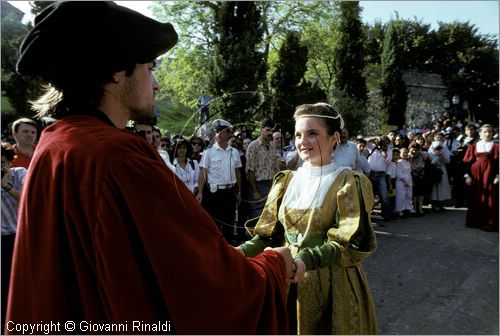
(290, 87)
(468, 64)
(19, 90)
(393, 88)
(14, 87)
(238, 66)
(349, 93)
(193, 55)
(348, 53)
(374, 42)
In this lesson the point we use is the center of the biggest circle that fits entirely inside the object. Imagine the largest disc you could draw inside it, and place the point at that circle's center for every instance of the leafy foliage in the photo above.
(232, 51)
(237, 64)
(286, 79)
(348, 53)
(393, 88)
(15, 87)
(349, 93)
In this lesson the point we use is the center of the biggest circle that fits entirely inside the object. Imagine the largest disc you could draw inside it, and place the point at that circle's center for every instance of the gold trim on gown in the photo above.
(333, 240)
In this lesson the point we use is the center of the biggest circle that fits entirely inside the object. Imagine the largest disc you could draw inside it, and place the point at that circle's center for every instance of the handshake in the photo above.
(295, 268)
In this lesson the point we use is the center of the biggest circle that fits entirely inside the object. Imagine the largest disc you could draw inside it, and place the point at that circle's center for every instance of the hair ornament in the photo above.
(324, 116)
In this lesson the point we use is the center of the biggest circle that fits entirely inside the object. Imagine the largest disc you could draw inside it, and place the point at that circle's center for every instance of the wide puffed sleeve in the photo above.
(268, 231)
(351, 238)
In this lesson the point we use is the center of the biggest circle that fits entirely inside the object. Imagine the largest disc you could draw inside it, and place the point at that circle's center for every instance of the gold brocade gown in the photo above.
(332, 239)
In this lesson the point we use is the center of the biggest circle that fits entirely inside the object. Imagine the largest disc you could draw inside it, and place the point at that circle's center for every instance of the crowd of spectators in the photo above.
(409, 168)
(451, 165)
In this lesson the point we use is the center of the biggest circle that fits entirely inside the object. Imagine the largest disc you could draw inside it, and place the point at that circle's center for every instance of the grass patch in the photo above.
(177, 118)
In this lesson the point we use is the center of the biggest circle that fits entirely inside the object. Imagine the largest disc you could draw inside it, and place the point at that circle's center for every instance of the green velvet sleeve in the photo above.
(254, 246)
(269, 231)
(319, 256)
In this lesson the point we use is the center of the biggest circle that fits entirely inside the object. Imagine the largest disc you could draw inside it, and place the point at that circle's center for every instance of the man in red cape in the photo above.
(109, 240)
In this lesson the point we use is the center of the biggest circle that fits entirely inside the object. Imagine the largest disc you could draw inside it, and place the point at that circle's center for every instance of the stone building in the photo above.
(426, 93)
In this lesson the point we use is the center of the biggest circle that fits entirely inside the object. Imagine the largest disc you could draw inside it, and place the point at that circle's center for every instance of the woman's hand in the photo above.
(199, 196)
(495, 180)
(300, 270)
(239, 249)
(468, 180)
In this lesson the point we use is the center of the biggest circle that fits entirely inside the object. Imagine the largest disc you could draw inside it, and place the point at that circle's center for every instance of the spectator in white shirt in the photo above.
(184, 167)
(219, 184)
(379, 157)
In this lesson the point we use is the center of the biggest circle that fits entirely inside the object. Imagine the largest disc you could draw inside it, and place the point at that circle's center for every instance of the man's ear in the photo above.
(118, 76)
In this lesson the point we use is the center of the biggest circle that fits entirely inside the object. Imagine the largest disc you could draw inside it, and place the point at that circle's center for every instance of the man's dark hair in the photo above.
(70, 95)
(268, 123)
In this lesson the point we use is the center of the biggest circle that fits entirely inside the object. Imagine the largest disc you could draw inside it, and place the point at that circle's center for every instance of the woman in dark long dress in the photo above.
(481, 159)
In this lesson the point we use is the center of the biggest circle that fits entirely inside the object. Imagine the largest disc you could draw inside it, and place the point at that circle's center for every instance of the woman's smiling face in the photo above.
(313, 142)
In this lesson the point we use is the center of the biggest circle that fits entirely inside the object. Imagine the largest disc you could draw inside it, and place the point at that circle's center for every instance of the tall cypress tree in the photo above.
(349, 92)
(288, 82)
(393, 88)
(349, 52)
(290, 70)
(238, 66)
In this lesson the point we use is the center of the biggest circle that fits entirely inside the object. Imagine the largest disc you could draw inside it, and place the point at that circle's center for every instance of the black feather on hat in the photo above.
(93, 36)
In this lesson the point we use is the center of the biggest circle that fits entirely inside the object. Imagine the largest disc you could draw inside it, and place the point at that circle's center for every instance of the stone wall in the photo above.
(426, 93)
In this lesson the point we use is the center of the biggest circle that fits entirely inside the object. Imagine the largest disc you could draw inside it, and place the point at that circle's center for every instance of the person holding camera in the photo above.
(12, 183)
(379, 158)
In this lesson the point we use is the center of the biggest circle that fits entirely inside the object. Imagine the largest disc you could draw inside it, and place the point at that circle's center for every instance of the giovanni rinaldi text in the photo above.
(87, 326)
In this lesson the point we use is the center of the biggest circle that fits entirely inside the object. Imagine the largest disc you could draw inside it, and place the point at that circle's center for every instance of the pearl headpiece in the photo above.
(324, 116)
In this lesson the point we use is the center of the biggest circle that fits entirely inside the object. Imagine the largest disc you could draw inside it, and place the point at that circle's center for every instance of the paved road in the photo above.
(432, 275)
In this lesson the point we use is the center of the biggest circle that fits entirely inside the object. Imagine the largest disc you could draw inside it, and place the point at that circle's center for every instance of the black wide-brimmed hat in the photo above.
(71, 38)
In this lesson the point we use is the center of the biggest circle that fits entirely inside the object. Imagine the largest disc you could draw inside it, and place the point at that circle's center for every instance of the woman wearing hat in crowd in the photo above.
(481, 159)
(106, 234)
(323, 213)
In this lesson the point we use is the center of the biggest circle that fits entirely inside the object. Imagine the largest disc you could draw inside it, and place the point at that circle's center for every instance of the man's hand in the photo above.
(300, 270)
(290, 265)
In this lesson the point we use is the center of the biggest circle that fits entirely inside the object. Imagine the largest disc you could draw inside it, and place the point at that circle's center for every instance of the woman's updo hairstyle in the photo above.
(331, 119)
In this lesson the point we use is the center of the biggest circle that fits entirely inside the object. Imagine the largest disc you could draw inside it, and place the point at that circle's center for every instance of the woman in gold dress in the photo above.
(322, 212)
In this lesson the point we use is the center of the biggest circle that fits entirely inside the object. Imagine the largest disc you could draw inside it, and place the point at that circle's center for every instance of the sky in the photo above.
(483, 14)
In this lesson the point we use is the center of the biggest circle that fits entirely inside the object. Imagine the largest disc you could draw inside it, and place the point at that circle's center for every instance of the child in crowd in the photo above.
(391, 181)
(441, 188)
(404, 185)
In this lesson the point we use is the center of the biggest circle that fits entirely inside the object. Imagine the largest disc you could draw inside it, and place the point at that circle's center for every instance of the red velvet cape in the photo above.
(108, 234)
